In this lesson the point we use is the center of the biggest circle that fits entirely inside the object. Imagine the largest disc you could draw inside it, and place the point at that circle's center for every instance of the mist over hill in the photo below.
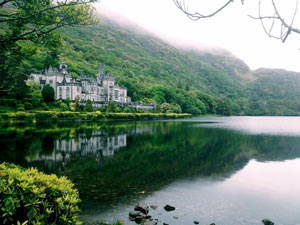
(192, 80)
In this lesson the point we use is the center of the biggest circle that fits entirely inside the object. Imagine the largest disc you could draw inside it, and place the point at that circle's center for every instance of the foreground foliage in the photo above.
(28, 26)
(32, 197)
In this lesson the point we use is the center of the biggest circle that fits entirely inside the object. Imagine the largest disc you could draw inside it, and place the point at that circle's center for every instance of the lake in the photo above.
(223, 170)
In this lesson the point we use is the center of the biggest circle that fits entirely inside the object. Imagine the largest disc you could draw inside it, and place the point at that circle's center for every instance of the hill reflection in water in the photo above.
(116, 165)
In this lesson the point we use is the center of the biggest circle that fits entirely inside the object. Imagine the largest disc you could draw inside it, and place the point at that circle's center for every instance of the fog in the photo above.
(232, 29)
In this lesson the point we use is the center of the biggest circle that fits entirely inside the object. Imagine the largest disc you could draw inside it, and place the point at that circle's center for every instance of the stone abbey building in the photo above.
(100, 89)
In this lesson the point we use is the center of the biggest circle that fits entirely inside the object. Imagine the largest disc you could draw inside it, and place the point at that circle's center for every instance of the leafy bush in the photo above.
(5, 116)
(9, 102)
(72, 106)
(57, 103)
(88, 106)
(45, 107)
(63, 107)
(27, 195)
(20, 105)
(44, 116)
(36, 102)
(68, 116)
(111, 107)
(24, 116)
(48, 93)
(28, 105)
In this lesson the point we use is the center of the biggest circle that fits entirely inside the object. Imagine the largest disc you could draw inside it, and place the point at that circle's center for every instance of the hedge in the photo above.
(87, 116)
(28, 196)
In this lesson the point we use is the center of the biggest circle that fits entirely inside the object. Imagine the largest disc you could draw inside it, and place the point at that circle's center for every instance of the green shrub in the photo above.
(88, 106)
(45, 107)
(20, 109)
(72, 106)
(20, 105)
(28, 105)
(91, 116)
(48, 93)
(9, 102)
(63, 107)
(111, 107)
(45, 116)
(20, 116)
(36, 101)
(68, 116)
(24, 116)
(57, 102)
(27, 195)
(5, 116)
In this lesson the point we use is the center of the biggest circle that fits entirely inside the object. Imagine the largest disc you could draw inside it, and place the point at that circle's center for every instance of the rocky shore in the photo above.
(140, 215)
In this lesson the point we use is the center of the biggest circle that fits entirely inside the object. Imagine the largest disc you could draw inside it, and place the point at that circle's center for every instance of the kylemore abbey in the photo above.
(100, 89)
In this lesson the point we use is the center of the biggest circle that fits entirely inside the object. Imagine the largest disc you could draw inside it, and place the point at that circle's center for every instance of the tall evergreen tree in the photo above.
(48, 93)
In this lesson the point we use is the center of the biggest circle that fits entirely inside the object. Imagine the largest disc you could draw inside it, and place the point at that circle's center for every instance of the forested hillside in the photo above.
(198, 82)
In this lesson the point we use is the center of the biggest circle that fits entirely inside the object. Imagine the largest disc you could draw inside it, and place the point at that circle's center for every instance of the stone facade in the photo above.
(100, 89)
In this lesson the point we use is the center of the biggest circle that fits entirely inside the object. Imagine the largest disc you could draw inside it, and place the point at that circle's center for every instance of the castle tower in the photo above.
(101, 70)
(63, 67)
(100, 74)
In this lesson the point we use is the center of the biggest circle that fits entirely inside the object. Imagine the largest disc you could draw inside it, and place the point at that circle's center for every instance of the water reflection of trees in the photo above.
(178, 151)
(146, 156)
(52, 147)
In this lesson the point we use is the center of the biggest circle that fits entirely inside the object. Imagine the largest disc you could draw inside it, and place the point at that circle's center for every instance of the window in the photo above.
(60, 92)
(51, 81)
(78, 89)
(68, 92)
(116, 94)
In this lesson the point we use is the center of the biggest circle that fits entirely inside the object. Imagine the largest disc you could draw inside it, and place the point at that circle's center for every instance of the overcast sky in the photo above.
(232, 29)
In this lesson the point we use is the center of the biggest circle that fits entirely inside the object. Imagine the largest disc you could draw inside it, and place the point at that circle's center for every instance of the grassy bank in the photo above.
(39, 116)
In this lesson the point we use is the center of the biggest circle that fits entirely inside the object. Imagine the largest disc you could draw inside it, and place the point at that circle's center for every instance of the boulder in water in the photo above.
(169, 208)
(142, 207)
(267, 222)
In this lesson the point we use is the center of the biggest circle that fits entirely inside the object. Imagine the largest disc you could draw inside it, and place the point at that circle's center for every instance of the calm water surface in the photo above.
(223, 170)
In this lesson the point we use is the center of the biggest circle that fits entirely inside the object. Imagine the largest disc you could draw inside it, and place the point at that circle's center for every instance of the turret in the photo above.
(63, 67)
(100, 70)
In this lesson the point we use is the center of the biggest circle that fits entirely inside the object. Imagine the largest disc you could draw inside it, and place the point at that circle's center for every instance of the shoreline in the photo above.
(53, 116)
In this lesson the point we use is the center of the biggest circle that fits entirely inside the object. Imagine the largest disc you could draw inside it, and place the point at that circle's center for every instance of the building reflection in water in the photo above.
(98, 145)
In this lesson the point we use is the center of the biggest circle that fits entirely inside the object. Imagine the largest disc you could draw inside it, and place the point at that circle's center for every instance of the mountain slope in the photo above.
(195, 81)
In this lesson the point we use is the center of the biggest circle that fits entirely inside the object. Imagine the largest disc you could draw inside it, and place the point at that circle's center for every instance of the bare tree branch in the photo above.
(274, 25)
(196, 16)
(285, 28)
